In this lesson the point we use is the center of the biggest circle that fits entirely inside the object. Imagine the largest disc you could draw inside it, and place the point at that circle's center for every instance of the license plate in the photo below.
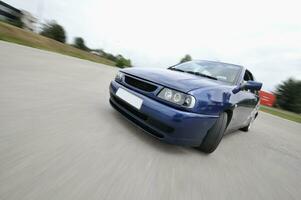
(129, 98)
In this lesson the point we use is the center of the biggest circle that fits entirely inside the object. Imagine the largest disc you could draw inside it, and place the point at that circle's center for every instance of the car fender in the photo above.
(213, 100)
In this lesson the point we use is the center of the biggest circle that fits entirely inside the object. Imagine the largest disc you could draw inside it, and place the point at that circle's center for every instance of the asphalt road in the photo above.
(60, 139)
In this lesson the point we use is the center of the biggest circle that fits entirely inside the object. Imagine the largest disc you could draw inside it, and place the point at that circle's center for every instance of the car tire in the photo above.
(215, 134)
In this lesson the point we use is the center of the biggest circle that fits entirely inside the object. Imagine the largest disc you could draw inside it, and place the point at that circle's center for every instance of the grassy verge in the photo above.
(14, 34)
(282, 113)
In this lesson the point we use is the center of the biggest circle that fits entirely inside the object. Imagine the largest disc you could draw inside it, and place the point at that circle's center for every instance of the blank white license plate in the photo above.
(129, 98)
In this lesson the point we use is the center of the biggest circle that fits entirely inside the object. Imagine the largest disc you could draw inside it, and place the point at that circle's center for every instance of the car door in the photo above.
(245, 102)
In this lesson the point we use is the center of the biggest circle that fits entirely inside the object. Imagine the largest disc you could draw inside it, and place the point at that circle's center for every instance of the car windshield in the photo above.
(213, 70)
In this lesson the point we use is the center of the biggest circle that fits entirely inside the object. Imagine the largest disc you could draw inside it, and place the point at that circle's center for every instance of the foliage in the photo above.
(186, 58)
(110, 57)
(80, 44)
(54, 31)
(123, 62)
(119, 59)
(288, 95)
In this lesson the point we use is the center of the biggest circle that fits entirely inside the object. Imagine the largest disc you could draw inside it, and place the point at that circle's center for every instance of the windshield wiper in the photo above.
(195, 73)
(175, 69)
(203, 75)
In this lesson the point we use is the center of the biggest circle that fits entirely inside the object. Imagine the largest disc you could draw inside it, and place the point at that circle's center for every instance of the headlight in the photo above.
(178, 98)
(119, 76)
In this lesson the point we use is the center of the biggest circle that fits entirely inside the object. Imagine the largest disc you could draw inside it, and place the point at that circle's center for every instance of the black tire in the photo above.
(215, 134)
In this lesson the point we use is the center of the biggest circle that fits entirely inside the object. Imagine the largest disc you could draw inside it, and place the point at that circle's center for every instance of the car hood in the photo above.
(173, 79)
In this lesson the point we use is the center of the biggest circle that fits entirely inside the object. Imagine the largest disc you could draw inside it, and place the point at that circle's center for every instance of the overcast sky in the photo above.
(264, 36)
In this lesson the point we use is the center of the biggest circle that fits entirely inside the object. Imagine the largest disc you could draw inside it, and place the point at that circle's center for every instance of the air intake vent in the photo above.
(140, 84)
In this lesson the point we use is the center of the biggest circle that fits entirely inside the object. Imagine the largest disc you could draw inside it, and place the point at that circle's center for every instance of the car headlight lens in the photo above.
(119, 76)
(178, 98)
(168, 94)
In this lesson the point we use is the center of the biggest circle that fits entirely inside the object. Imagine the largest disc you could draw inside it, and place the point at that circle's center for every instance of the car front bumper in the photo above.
(164, 122)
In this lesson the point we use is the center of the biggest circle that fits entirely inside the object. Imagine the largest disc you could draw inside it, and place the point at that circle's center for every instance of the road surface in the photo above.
(60, 139)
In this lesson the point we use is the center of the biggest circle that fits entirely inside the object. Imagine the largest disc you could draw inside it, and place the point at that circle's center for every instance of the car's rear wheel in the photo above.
(215, 134)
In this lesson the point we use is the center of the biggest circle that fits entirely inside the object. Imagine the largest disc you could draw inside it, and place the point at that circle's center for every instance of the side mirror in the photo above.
(249, 85)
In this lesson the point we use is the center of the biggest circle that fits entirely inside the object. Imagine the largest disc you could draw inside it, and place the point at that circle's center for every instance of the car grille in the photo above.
(142, 85)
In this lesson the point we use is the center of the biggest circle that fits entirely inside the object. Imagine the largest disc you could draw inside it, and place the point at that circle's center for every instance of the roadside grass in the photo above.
(282, 113)
(17, 35)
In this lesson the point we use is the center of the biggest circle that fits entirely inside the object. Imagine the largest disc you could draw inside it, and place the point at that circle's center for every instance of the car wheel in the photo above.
(214, 135)
(248, 127)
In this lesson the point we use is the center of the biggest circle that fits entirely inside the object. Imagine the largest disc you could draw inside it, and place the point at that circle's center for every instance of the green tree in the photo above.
(123, 62)
(288, 95)
(54, 31)
(80, 43)
(186, 58)
(110, 57)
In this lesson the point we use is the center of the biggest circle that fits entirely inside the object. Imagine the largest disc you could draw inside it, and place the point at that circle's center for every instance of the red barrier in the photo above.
(267, 98)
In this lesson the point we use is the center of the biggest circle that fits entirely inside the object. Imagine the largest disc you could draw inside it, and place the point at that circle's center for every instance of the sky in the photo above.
(264, 36)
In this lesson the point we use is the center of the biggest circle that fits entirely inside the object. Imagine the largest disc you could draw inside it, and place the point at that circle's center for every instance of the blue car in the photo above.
(190, 104)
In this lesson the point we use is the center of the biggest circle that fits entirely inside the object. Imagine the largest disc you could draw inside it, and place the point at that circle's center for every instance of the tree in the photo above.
(119, 60)
(186, 58)
(288, 95)
(80, 43)
(54, 31)
(110, 57)
(123, 62)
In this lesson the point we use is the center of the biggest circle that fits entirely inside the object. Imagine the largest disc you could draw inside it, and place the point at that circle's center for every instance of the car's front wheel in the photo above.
(215, 134)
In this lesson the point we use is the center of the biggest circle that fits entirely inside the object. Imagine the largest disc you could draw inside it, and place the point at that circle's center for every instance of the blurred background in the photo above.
(263, 36)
